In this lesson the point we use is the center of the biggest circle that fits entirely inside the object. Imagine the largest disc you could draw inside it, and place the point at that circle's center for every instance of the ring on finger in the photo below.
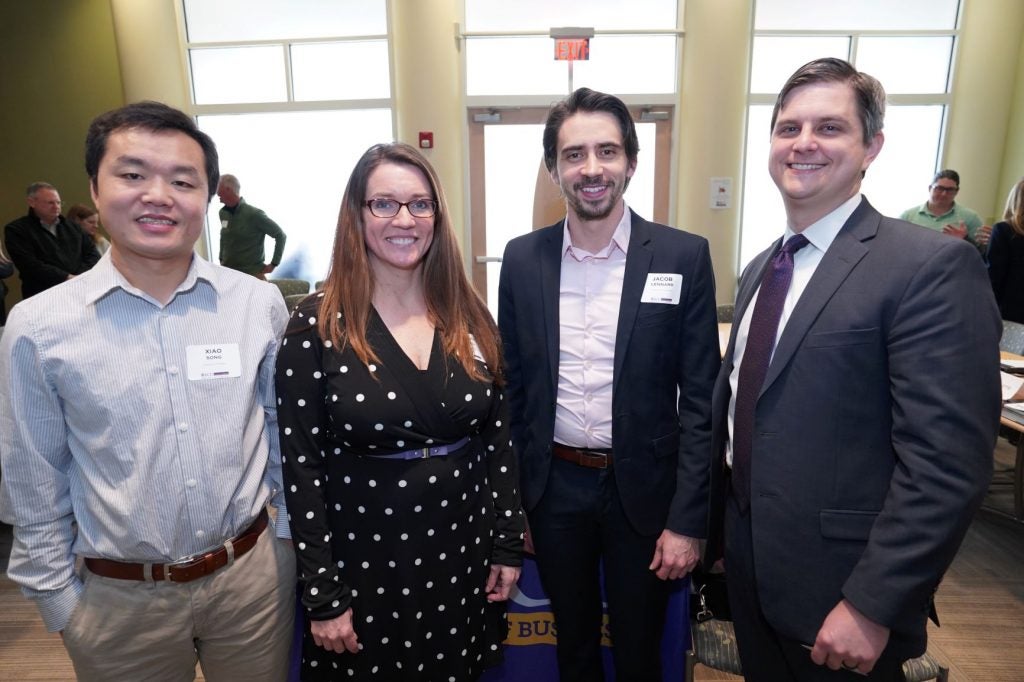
(847, 666)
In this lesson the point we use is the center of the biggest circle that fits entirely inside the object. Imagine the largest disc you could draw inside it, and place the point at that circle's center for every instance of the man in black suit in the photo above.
(45, 247)
(611, 347)
(859, 458)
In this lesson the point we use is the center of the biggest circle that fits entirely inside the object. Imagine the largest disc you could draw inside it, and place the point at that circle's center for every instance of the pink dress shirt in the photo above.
(589, 292)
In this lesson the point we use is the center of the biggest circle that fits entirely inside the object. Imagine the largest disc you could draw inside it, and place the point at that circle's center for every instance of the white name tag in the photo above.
(662, 287)
(224, 224)
(213, 361)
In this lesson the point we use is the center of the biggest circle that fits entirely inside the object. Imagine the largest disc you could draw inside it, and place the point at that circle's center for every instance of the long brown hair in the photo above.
(1014, 213)
(453, 306)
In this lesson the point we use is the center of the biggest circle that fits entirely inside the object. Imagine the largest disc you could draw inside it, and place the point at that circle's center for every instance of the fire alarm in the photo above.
(426, 140)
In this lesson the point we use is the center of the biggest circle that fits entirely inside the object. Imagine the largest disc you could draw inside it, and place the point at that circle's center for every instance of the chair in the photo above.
(714, 646)
(291, 286)
(1012, 340)
(725, 312)
(293, 300)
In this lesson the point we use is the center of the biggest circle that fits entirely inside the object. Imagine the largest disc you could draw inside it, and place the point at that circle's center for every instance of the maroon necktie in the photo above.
(764, 323)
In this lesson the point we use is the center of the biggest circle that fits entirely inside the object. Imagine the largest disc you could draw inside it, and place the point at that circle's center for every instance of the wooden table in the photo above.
(1014, 421)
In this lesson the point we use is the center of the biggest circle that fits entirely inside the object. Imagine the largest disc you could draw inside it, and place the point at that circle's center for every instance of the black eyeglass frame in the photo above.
(407, 204)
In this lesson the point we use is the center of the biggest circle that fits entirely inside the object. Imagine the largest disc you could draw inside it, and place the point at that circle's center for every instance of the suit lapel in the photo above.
(638, 264)
(846, 251)
(550, 279)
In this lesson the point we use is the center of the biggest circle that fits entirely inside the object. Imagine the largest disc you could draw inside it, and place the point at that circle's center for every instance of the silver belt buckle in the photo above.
(180, 563)
(426, 453)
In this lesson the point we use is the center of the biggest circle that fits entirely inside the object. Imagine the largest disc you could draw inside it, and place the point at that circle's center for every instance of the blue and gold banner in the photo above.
(530, 647)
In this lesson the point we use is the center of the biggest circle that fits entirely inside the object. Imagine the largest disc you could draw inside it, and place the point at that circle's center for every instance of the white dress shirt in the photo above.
(805, 261)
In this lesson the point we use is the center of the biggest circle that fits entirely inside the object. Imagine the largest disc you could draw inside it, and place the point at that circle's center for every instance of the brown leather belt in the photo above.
(189, 568)
(592, 459)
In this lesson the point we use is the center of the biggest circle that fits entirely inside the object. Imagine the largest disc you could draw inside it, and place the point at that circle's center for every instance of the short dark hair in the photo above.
(949, 174)
(153, 117)
(585, 99)
(868, 92)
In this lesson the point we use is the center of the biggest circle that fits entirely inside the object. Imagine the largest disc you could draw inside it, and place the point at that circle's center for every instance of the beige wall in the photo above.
(58, 70)
(711, 126)
(986, 105)
(1013, 160)
(429, 93)
(152, 63)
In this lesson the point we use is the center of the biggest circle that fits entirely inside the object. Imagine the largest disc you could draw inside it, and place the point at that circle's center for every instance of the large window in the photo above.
(293, 93)
(909, 46)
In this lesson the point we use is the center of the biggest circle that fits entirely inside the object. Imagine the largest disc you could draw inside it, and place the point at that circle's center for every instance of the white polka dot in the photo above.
(313, 591)
(347, 479)
(372, 483)
(361, 509)
(343, 369)
(418, 508)
(432, 479)
(287, 431)
(360, 397)
(306, 344)
(312, 320)
(301, 402)
(402, 483)
(378, 427)
(387, 511)
(309, 515)
(404, 536)
(391, 395)
(469, 396)
(408, 423)
(317, 374)
(400, 443)
(288, 372)
(372, 367)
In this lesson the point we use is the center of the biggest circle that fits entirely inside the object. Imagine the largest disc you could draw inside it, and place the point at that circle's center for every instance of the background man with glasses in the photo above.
(943, 214)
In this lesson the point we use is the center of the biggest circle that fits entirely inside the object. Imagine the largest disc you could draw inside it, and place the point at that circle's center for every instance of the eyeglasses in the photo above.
(389, 208)
(943, 189)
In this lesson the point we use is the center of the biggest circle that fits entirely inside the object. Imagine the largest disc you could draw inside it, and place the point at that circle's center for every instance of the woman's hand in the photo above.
(500, 582)
(335, 635)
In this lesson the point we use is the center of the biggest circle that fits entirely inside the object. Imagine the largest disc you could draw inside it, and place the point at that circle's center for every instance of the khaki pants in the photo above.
(236, 622)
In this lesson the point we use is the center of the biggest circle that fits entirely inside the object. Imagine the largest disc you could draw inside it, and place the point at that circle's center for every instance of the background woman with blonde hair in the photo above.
(401, 484)
(1006, 257)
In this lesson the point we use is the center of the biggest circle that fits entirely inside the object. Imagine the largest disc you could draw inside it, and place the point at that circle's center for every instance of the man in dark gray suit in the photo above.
(611, 346)
(860, 429)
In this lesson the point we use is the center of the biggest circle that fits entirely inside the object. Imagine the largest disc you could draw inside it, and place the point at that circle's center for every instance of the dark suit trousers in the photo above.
(577, 527)
(766, 655)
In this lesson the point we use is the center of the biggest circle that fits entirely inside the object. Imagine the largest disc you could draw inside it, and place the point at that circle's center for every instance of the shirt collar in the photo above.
(822, 233)
(619, 240)
(104, 277)
(924, 209)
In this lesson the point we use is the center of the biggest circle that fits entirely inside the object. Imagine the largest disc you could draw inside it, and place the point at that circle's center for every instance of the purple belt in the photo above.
(424, 453)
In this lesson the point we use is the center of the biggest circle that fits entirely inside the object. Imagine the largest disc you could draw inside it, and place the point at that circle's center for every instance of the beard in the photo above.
(587, 210)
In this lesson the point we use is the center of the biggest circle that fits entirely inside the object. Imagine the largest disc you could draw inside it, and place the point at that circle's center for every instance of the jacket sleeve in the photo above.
(942, 351)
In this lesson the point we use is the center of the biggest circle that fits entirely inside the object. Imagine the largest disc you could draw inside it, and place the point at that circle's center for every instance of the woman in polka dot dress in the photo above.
(401, 484)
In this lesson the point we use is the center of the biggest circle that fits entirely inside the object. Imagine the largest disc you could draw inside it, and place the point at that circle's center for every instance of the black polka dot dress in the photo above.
(407, 544)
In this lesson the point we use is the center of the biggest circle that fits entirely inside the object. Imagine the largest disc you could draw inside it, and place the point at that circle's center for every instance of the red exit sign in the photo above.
(572, 49)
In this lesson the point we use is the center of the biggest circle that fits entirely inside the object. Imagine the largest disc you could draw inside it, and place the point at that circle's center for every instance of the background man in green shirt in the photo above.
(243, 231)
(942, 214)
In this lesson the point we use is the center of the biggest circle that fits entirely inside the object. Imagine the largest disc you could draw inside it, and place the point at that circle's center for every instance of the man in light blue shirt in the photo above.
(138, 431)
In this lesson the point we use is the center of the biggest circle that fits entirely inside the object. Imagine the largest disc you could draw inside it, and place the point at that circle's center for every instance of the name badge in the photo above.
(662, 287)
(213, 361)
(224, 224)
